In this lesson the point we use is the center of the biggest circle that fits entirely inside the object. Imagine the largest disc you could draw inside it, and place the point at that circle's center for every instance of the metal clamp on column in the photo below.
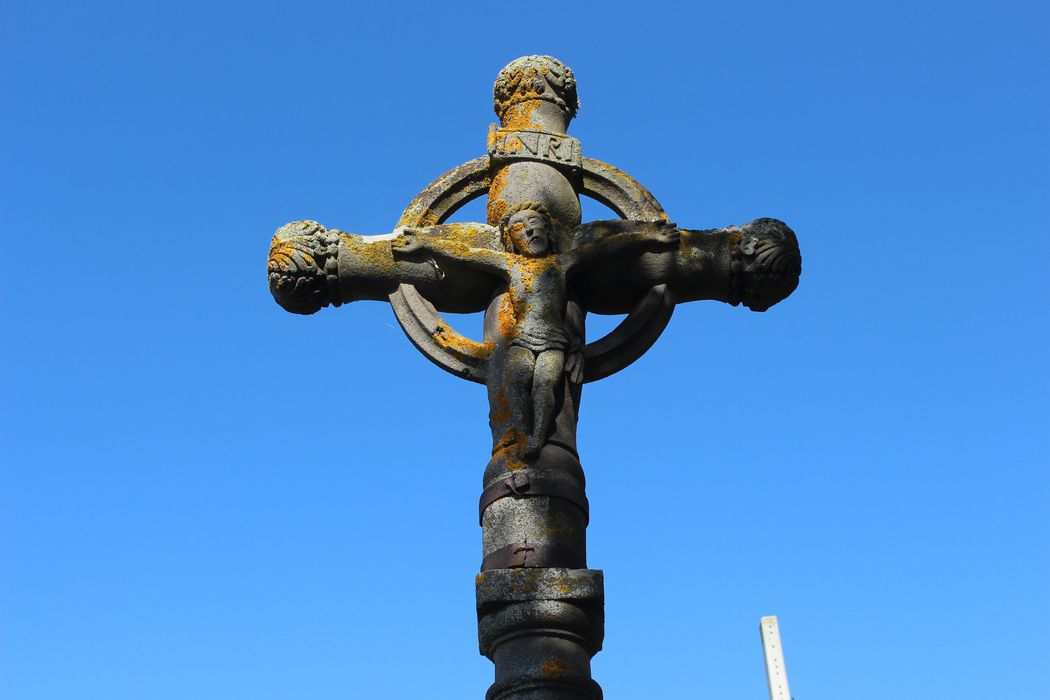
(532, 556)
(521, 484)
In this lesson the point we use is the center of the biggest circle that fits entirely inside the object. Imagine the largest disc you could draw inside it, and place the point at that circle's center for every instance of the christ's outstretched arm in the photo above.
(607, 239)
(413, 241)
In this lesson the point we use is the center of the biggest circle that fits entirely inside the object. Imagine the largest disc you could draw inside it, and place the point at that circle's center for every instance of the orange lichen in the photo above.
(531, 268)
(507, 317)
(519, 116)
(376, 255)
(510, 448)
(535, 78)
(282, 252)
(553, 668)
(449, 339)
(496, 206)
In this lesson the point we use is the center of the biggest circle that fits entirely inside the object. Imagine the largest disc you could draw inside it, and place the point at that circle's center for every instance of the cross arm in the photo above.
(599, 241)
(414, 241)
(311, 267)
(757, 265)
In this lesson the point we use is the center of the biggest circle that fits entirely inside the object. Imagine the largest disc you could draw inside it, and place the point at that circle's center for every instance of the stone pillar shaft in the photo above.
(540, 610)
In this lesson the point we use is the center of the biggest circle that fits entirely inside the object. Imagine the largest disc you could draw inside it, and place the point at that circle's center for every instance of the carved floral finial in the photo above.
(535, 78)
(303, 267)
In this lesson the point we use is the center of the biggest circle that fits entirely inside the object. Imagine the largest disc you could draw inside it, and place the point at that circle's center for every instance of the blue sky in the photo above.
(204, 496)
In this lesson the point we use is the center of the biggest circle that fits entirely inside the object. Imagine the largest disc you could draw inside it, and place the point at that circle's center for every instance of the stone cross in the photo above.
(535, 271)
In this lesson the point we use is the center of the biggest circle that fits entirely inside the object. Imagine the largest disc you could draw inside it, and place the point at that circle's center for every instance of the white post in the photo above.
(776, 673)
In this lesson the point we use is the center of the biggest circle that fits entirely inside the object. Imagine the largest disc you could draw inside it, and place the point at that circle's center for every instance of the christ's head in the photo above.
(527, 230)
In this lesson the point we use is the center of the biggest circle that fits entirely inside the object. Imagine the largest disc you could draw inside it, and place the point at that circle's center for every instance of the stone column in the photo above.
(540, 627)
(540, 610)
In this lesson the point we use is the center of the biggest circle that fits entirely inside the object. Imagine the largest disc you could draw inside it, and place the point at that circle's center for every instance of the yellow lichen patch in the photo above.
(463, 232)
(512, 145)
(449, 339)
(531, 268)
(497, 208)
(511, 449)
(519, 116)
(510, 310)
(535, 78)
(282, 253)
(510, 314)
(376, 256)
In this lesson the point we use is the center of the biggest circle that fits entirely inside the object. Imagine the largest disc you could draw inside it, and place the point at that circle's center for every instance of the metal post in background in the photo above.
(776, 672)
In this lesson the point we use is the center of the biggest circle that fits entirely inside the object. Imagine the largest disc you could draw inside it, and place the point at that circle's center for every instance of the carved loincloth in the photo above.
(552, 338)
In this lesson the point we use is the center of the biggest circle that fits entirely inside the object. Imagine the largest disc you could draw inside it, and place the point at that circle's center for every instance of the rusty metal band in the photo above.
(521, 484)
(533, 556)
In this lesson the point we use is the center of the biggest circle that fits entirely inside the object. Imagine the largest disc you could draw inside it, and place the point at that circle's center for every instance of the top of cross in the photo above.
(535, 78)
(530, 158)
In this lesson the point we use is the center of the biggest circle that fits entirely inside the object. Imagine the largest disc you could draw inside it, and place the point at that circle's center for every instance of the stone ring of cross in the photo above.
(309, 268)
(468, 359)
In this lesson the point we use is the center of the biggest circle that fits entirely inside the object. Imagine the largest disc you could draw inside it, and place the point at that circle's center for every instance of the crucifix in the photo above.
(535, 271)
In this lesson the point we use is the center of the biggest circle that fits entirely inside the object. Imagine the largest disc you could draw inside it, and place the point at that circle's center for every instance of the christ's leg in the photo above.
(521, 365)
(549, 367)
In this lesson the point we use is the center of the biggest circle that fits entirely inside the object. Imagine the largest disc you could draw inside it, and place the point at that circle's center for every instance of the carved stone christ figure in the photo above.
(535, 347)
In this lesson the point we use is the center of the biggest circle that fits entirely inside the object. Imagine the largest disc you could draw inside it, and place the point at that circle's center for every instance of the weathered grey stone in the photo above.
(536, 271)
(502, 586)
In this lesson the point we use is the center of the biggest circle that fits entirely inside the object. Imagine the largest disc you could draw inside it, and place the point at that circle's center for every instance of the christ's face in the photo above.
(530, 233)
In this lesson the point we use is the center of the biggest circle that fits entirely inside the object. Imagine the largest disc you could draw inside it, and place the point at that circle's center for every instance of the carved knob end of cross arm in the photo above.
(303, 267)
(766, 263)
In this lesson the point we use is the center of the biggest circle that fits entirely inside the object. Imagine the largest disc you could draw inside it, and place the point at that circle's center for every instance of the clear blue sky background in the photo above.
(206, 497)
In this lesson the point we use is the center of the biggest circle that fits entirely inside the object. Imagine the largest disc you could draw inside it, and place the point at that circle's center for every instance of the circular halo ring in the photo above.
(462, 356)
